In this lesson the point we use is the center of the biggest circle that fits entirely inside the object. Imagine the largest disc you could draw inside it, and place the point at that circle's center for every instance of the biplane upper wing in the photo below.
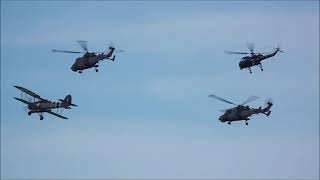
(21, 100)
(55, 114)
(29, 92)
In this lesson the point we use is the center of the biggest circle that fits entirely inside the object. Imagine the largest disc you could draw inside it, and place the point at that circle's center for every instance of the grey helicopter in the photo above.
(254, 59)
(90, 59)
(242, 112)
(39, 105)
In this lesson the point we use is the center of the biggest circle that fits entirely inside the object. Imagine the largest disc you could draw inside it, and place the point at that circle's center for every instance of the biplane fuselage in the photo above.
(40, 105)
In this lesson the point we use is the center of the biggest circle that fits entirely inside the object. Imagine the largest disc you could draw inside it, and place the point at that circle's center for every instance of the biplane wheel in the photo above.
(41, 118)
(97, 70)
(247, 123)
(29, 113)
(261, 69)
(80, 72)
(229, 123)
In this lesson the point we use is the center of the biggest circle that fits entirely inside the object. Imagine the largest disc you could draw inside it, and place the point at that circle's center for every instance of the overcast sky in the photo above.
(147, 114)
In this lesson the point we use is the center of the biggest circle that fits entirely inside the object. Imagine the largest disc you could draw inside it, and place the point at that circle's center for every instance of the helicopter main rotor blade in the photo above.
(221, 99)
(119, 51)
(57, 50)
(83, 44)
(249, 99)
(234, 52)
(251, 47)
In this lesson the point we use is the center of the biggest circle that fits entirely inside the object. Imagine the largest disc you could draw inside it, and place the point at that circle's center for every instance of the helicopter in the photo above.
(90, 59)
(40, 105)
(254, 59)
(242, 112)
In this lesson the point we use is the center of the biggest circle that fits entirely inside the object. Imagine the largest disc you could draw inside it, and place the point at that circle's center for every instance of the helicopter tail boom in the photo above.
(265, 110)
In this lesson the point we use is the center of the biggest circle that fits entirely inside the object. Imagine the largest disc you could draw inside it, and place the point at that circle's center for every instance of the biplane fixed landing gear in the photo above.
(96, 68)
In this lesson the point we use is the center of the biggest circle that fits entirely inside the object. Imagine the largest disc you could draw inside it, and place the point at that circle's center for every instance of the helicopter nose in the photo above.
(221, 118)
(73, 68)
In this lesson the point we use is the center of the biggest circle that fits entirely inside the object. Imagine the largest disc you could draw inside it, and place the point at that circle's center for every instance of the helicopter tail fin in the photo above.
(114, 57)
(266, 110)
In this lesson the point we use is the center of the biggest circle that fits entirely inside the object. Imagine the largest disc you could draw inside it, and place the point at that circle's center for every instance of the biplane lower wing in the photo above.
(55, 114)
(22, 100)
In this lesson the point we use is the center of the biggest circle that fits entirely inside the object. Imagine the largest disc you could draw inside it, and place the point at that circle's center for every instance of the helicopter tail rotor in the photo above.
(268, 102)
(278, 49)
(112, 47)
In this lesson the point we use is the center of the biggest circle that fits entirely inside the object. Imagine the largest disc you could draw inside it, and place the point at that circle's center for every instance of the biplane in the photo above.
(39, 105)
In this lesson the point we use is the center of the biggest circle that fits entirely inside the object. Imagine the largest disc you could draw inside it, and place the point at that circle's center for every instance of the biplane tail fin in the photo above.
(67, 101)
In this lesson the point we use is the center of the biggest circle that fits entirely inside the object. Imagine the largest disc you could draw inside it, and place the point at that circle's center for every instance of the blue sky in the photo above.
(147, 115)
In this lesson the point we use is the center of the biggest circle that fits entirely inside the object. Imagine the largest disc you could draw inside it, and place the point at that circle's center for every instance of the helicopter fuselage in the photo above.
(240, 113)
(254, 59)
(90, 60)
(237, 114)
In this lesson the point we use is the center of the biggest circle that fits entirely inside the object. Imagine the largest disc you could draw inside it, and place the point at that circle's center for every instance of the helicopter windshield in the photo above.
(245, 58)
